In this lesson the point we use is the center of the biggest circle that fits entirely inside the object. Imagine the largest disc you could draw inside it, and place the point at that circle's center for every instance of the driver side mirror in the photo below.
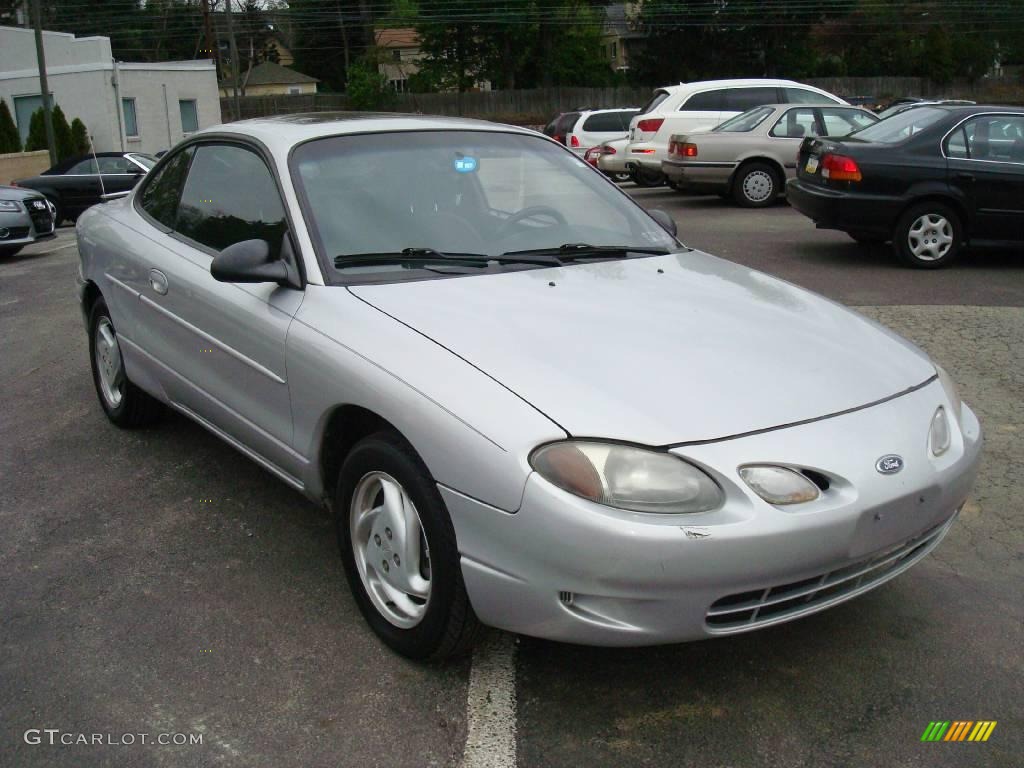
(249, 262)
(664, 220)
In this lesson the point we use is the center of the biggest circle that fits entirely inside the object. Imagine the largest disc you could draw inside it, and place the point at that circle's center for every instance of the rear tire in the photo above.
(620, 178)
(125, 404)
(383, 479)
(644, 177)
(928, 235)
(757, 185)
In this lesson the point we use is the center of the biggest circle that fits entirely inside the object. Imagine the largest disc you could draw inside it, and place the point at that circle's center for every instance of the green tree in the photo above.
(36, 132)
(10, 139)
(79, 137)
(62, 134)
(367, 87)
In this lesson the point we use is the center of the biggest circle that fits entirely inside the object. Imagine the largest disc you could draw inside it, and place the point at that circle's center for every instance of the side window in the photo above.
(708, 101)
(840, 122)
(803, 96)
(957, 145)
(85, 166)
(230, 196)
(113, 165)
(603, 122)
(159, 198)
(742, 99)
(795, 124)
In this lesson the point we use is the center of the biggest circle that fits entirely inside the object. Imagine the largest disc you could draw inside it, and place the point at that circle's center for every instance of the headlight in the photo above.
(9, 205)
(939, 435)
(779, 485)
(625, 477)
(951, 392)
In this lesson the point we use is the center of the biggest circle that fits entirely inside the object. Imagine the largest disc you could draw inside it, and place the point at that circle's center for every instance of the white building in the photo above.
(141, 107)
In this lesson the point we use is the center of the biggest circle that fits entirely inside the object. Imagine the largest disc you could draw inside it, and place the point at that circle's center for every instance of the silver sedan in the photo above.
(526, 404)
(751, 156)
(25, 218)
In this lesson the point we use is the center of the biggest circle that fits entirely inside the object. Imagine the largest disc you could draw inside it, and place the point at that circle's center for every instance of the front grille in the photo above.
(41, 218)
(771, 605)
(13, 233)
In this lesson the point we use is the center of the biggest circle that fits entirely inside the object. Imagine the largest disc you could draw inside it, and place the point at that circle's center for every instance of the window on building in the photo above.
(398, 85)
(131, 124)
(24, 106)
(189, 115)
(396, 54)
(615, 51)
(230, 196)
(294, 90)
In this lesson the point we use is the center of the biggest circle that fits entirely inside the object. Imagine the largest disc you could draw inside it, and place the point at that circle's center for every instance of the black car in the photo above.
(75, 184)
(931, 180)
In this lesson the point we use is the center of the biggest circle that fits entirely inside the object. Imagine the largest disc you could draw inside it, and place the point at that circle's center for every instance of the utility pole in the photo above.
(234, 57)
(208, 33)
(44, 87)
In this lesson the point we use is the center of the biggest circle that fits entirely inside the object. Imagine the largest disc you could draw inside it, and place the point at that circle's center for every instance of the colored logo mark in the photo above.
(465, 164)
(959, 730)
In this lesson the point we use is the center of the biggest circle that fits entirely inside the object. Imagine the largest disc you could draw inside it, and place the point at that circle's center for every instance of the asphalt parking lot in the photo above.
(159, 582)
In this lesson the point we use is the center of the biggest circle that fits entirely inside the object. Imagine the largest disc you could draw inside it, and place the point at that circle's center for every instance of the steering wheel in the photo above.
(529, 213)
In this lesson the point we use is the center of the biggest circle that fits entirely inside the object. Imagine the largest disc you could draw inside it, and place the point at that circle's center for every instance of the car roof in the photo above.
(281, 132)
(609, 109)
(749, 81)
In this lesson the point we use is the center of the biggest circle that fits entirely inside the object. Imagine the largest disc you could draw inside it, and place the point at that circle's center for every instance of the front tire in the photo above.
(928, 236)
(124, 403)
(398, 547)
(757, 185)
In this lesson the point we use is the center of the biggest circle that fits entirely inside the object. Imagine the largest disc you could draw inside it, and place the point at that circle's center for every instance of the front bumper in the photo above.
(19, 228)
(566, 569)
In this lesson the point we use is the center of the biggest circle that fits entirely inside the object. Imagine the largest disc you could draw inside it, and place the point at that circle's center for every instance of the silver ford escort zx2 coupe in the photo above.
(525, 402)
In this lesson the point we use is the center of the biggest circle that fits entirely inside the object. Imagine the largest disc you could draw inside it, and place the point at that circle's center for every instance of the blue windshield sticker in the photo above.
(465, 164)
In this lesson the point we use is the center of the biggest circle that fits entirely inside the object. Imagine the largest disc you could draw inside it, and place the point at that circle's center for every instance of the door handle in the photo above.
(158, 281)
(966, 178)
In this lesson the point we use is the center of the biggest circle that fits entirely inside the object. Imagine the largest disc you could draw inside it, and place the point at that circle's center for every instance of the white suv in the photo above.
(700, 106)
(599, 125)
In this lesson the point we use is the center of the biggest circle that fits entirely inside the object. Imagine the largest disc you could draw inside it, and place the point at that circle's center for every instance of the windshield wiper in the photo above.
(421, 255)
(572, 251)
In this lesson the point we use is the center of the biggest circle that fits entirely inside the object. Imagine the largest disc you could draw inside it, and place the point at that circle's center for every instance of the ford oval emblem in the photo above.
(889, 464)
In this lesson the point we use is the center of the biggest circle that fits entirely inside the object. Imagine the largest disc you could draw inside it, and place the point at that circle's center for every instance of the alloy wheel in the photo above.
(109, 364)
(390, 549)
(930, 237)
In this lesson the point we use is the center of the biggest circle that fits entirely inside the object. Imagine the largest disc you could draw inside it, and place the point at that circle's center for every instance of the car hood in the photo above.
(15, 193)
(661, 350)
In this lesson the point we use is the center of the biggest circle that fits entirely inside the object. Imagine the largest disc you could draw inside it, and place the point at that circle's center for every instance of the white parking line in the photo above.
(491, 705)
(54, 250)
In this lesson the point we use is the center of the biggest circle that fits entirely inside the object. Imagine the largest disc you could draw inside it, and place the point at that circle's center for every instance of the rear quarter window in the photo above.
(742, 99)
(707, 101)
(656, 99)
(606, 122)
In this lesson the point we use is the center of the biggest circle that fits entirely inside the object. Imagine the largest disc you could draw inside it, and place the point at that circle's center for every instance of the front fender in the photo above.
(473, 434)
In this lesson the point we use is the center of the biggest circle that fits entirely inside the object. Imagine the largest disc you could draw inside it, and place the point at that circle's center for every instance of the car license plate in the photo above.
(812, 164)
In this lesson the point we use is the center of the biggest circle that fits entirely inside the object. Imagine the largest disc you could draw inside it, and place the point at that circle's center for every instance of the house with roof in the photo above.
(270, 79)
(622, 35)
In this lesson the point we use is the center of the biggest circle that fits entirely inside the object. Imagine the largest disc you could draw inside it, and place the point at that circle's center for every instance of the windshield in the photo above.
(459, 192)
(746, 121)
(146, 161)
(901, 126)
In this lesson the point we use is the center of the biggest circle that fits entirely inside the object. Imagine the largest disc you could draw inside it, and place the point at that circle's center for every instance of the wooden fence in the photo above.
(540, 104)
